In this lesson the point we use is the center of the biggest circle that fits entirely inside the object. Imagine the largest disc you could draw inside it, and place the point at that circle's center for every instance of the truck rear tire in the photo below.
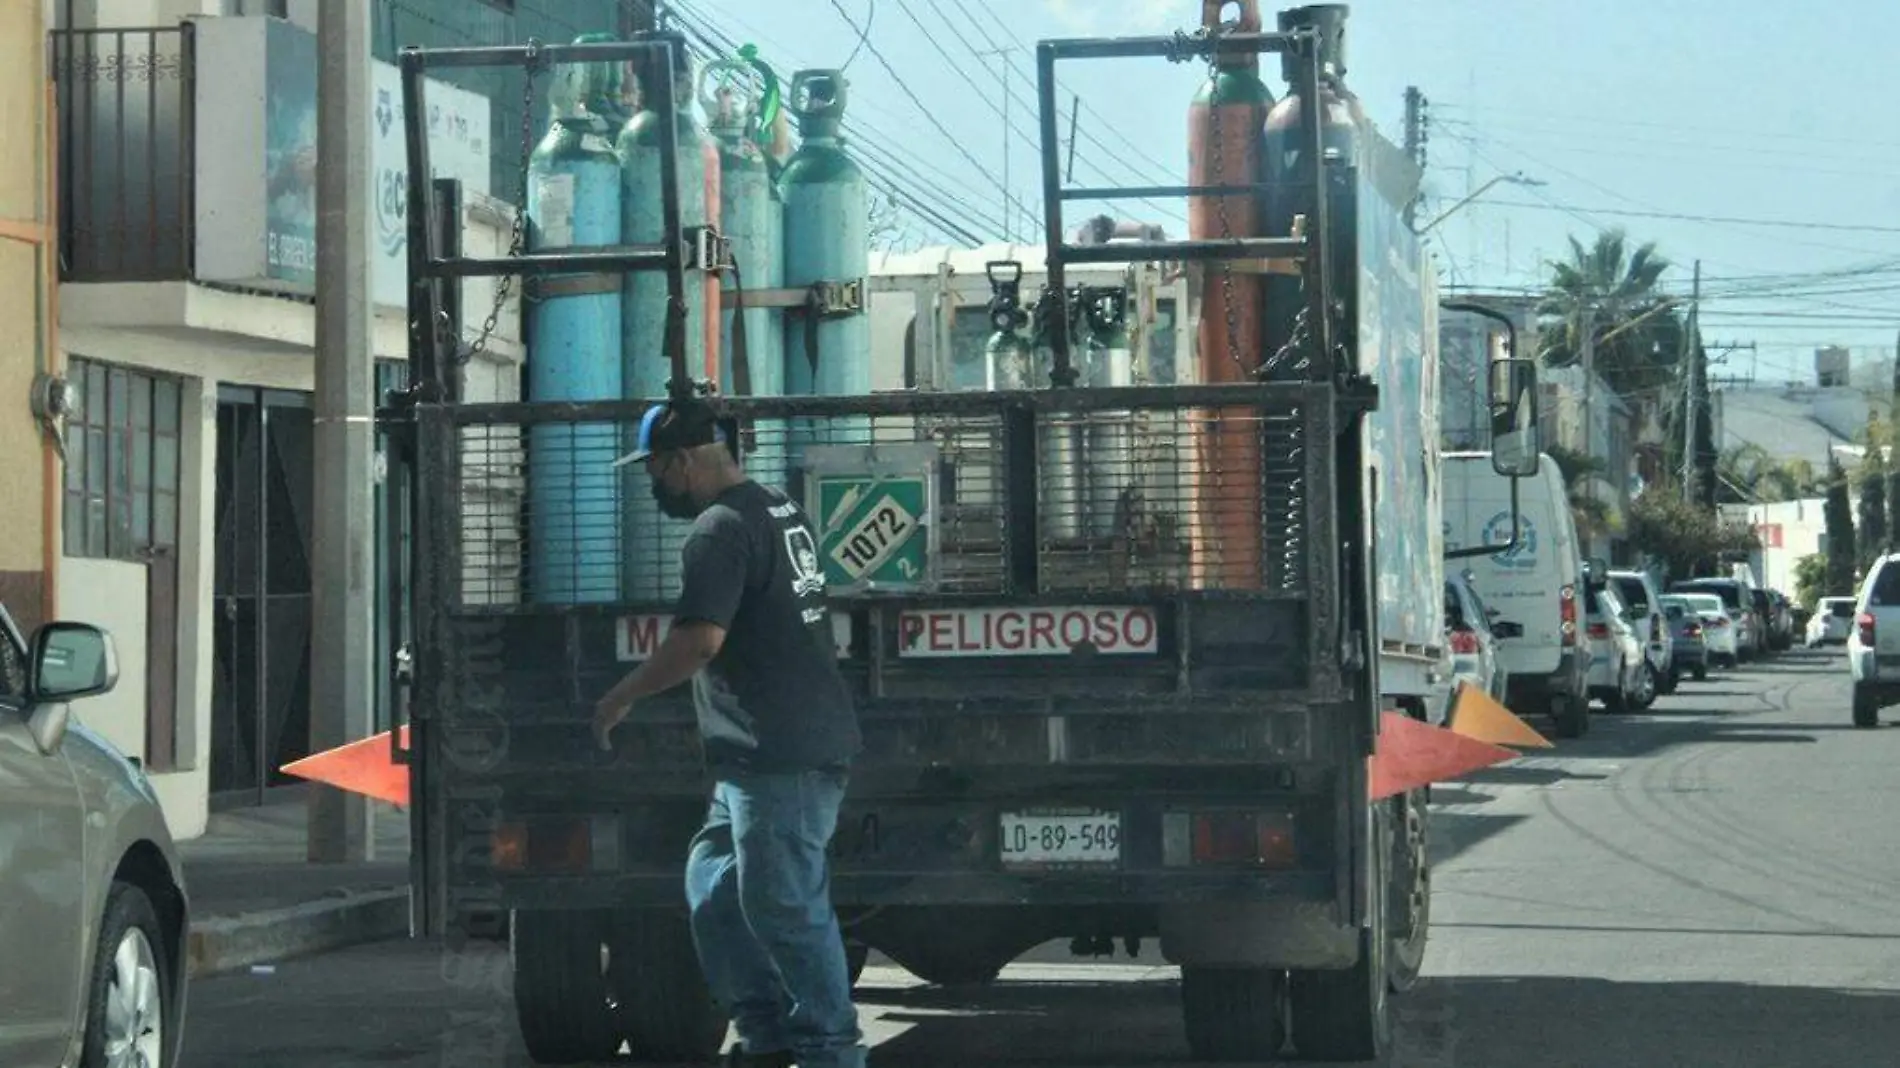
(563, 1000)
(1346, 1015)
(1866, 708)
(856, 954)
(665, 1010)
(1410, 905)
(1233, 1014)
(1572, 714)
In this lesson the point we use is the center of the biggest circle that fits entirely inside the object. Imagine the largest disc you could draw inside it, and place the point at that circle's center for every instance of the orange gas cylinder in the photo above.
(1224, 125)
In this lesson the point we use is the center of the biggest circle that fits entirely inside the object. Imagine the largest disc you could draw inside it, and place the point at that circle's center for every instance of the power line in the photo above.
(1735, 220)
(1620, 121)
(886, 168)
(910, 93)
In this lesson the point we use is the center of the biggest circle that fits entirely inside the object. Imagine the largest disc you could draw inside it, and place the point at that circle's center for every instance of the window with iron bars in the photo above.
(122, 462)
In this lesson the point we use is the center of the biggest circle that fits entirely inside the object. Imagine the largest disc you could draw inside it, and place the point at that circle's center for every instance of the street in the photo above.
(1711, 882)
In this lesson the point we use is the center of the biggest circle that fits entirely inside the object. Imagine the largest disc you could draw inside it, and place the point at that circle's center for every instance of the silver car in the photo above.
(93, 914)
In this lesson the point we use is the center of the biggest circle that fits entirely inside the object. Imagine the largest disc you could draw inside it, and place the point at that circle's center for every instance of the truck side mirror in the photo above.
(1512, 393)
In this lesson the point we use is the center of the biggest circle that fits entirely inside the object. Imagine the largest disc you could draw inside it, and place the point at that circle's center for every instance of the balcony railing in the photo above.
(126, 152)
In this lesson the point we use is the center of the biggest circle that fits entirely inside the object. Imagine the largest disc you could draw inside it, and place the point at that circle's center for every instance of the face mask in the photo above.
(676, 504)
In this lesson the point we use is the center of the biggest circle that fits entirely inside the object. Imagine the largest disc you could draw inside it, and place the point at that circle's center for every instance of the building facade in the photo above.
(181, 511)
(28, 277)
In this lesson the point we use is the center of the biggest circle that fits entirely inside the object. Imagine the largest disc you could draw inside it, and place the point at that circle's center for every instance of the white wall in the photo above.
(111, 594)
(1802, 525)
(185, 793)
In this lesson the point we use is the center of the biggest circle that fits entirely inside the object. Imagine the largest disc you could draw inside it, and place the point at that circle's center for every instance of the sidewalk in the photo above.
(256, 900)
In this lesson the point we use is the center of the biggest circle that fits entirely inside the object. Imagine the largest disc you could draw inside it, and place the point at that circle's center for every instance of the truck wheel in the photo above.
(1572, 714)
(948, 965)
(1233, 1014)
(664, 1007)
(563, 1002)
(1346, 1015)
(1866, 709)
(1410, 903)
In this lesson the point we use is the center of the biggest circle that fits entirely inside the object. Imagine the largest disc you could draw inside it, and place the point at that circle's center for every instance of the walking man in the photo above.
(752, 632)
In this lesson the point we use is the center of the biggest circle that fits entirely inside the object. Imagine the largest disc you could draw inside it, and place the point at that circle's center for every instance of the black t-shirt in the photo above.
(772, 700)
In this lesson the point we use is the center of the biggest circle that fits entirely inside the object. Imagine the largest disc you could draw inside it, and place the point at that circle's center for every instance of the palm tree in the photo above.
(1591, 515)
(1638, 336)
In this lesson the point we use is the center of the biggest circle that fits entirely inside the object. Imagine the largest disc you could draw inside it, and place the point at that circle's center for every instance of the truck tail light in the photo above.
(1464, 643)
(556, 844)
(1866, 625)
(1567, 605)
(1229, 839)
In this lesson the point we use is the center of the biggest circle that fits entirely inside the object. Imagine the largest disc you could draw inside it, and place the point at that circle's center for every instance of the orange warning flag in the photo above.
(360, 768)
(1410, 754)
(1476, 714)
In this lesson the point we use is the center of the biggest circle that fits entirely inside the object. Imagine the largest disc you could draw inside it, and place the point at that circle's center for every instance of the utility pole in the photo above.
(1589, 360)
(342, 693)
(1416, 136)
(1691, 359)
(1009, 201)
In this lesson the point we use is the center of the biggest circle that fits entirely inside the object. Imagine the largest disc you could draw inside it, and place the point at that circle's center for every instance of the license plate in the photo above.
(1063, 838)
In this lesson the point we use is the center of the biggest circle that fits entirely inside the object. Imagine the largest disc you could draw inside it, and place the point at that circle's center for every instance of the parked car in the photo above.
(1620, 675)
(1688, 638)
(1537, 583)
(1738, 604)
(1473, 638)
(93, 915)
(1832, 622)
(1773, 624)
(1783, 625)
(1718, 629)
(1873, 645)
(1641, 598)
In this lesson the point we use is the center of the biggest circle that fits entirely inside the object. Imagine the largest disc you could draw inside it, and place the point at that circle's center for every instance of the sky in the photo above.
(1758, 139)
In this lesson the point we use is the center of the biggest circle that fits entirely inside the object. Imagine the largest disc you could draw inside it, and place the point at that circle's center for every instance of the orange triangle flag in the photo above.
(1410, 754)
(1476, 714)
(361, 767)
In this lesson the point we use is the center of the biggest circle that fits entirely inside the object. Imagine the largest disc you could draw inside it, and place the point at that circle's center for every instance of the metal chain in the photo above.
(1220, 200)
(518, 233)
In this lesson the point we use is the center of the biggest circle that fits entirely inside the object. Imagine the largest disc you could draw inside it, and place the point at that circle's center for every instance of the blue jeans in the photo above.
(759, 887)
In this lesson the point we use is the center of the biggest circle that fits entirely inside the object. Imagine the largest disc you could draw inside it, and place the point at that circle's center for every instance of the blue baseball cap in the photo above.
(674, 425)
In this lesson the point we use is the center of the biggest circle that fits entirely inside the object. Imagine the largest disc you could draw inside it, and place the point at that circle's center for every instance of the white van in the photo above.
(1537, 583)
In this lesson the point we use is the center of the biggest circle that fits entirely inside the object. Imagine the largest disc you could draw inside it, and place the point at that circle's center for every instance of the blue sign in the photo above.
(1519, 557)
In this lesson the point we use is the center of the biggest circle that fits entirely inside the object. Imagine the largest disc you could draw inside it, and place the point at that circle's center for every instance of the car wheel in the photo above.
(1643, 692)
(129, 999)
(1670, 681)
(1701, 672)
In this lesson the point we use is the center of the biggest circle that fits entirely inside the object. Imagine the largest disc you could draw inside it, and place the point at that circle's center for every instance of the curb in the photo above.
(223, 944)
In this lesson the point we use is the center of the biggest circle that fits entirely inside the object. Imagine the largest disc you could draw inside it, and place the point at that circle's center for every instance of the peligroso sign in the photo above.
(1027, 631)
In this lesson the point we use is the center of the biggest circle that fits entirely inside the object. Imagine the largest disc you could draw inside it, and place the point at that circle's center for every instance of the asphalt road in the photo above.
(1714, 882)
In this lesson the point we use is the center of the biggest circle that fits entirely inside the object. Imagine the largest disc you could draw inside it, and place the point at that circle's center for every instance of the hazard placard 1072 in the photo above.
(873, 530)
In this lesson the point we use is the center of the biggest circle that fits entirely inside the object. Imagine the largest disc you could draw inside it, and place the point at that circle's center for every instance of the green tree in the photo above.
(1638, 336)
(1839, 515)
(1591, 515)
(1685, 537)
(1870, 535)
(1810, 580)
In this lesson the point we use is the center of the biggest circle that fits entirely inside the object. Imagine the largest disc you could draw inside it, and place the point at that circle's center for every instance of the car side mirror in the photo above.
(70, 661)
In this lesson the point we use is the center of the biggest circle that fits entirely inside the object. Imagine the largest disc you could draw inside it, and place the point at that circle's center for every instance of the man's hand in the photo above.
(607, 715)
